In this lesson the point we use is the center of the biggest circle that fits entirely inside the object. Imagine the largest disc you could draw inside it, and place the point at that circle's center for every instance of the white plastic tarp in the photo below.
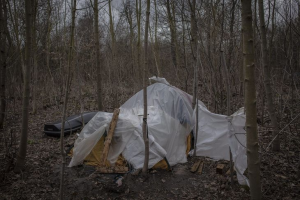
(127, 140)
(216, 133)
(170, 119)
(169, 123)
(237, 142)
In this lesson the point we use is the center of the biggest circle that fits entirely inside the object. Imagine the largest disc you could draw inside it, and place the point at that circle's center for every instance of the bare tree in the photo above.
(154, 42)
(173, 30)
(67, 87)
(195, 52)
(3, 19)
(98, 65)
(48, 46)
(267, 76)
(250, 101)
(114, 54)
(145, 132)
(49, 28)
(139, 46)
(34, 53)
(129, 13)
(26, 88)
(15, 29)
(194, 41)
(184, 45)
(156, 48)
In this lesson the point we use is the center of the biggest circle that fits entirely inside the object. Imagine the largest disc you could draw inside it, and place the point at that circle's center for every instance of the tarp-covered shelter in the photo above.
(171, 119)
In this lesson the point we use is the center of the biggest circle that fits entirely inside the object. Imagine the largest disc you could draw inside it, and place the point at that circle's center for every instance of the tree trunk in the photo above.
(250, 102)
(128, 13)
(49, 10)
(172, 25)
(194, 44)
(241, 70)
(156, 50)
(184, 45)
(98, 65)
(14, 19)
(232, 38)
(267, 76)
(138, 19)
(34, 53)
(145, 131)
(155, 55)
(20, 163)
(112, 32)
(3, 57)
(194, 41)
(113, 58)
(67, 83)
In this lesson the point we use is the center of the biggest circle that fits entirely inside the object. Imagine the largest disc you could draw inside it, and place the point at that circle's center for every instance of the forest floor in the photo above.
(41, 177)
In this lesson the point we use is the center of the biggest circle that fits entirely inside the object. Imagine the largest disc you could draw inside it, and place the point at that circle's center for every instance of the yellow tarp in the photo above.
(94, 158)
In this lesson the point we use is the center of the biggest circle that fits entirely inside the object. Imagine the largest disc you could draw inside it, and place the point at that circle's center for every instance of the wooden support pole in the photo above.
(109, 136)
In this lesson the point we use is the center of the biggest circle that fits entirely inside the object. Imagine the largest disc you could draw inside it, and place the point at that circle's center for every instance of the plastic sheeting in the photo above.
(237, 144)
(216, 133)
(127, 140)
(170, 119)
(155, 79)
(169, 123)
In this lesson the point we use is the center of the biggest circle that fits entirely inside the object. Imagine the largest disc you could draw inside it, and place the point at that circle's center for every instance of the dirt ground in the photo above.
(41, 178)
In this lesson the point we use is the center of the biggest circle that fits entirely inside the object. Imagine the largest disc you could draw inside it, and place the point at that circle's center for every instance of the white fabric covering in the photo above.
(219, 132)
(170, 120)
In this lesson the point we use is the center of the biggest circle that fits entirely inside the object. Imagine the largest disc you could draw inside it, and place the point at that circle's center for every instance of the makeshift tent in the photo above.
(170, 120)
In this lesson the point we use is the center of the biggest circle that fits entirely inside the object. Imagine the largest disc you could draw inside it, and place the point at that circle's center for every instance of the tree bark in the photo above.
(128, 13)
(145, 131)
(194, 40)
(111, 28)
(98, 64)
(48, 45)
(34, 53)
(14, 19)
(232, 38)
(267, 77)
(49, 27)
(172, 25)
(156, 49)
(20, 163)
(65, 106)
(3, 20)
(194, 45)
(139, 47)
(250, 102)
(113, 59)
(184, 45)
